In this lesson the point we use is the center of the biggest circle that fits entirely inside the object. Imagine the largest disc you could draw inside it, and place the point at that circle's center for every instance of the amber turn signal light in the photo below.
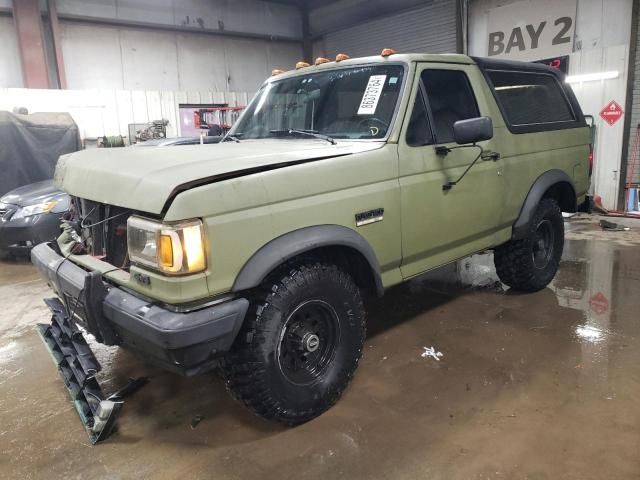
(386, 52)
(342, 56)
(300, 65)
(321, 60)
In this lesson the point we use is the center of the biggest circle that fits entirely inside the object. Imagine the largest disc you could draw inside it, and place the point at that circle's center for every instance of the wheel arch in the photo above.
(554, 184)
(342, 244)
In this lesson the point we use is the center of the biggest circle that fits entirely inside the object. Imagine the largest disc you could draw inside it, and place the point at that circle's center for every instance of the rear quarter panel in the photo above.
(526, 156)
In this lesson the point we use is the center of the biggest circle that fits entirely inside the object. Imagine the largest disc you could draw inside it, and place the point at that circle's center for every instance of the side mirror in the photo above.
(472, 130)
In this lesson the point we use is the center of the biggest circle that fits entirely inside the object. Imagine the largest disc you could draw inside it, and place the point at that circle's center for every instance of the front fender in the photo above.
(291, 244)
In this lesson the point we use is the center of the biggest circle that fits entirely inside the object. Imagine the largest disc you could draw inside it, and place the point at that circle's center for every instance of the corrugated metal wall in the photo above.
(428, 29)
(635, 119)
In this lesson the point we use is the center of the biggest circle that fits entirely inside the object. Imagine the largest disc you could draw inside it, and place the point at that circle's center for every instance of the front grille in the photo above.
(104, 231)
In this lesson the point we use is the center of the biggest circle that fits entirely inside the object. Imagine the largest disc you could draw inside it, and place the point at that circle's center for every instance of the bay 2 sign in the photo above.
(532, 29)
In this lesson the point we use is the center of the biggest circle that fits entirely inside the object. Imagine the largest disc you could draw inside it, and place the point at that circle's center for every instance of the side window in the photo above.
(419, 131)
(530, 98)
(450, 98)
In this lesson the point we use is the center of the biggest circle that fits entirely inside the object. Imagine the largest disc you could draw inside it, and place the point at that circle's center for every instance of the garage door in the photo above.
(428, 29)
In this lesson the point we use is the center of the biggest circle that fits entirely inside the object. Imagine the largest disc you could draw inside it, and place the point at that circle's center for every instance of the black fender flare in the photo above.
(538, 189)
(291, 244)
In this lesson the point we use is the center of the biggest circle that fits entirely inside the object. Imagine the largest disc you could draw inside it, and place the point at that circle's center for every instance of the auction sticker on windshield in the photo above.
(371, 95)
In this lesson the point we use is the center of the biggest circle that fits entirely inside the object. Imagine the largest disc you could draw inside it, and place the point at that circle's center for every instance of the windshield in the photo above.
(349, 103)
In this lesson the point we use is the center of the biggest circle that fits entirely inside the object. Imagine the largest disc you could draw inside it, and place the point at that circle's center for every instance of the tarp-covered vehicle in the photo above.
(30, 146)
(30, 205)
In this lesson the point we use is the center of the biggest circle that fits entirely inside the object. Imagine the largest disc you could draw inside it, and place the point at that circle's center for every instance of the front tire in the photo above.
(298, 350)
(529, 264)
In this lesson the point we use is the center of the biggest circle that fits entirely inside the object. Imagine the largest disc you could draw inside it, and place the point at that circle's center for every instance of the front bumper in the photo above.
(185, 343)
(21, 235)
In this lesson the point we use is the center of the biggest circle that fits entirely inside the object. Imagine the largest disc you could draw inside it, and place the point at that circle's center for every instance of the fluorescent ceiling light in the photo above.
(515, 87)
(591, 77)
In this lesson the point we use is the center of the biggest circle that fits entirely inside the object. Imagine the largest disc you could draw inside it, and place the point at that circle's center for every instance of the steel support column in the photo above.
(307, 47)
(26, 15)
(57, 48)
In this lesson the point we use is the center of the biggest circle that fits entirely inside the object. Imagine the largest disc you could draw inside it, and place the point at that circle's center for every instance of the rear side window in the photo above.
(529, 99)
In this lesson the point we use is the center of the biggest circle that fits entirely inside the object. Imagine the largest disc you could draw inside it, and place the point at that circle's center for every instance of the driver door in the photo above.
(441, 226)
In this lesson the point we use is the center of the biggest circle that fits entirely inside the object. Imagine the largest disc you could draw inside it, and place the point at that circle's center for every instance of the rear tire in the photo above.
(298, 350)
(529, 264)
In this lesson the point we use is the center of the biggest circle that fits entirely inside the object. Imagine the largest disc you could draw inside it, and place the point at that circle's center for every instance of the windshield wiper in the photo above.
(292, 131)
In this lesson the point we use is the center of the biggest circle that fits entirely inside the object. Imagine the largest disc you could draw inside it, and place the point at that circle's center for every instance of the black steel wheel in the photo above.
(300, 344)
(530, 263)
(543, 244)
(308, 342)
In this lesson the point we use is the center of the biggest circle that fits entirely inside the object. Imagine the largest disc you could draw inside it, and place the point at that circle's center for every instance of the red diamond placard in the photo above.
(599, 303)
(612, 112)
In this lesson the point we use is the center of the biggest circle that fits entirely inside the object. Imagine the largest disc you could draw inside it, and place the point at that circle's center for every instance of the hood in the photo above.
(32, 194)
(145, 179)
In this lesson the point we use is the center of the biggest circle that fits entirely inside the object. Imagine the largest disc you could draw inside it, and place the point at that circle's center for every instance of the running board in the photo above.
(78, 367)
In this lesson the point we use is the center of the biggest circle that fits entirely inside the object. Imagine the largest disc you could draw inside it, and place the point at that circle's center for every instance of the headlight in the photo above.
(37, 209)
(171, 248)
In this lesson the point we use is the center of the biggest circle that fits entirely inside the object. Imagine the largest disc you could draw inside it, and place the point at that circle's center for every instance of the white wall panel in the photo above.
(281, 57)
(92, 56)
(599, 23)
(149, 60)
(148, 11)
(201, 62)
(593, 96)
(246, 63)
(242, 16)
(10, 69)
(109, 112)
(139, 59)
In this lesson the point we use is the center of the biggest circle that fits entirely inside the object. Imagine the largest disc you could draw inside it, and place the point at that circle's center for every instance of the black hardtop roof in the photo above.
(514, 65)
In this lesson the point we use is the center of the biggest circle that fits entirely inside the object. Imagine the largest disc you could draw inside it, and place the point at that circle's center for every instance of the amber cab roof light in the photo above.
(387, 52)
(321, 60)
(342, 56)
(276, 72)
(300, 65)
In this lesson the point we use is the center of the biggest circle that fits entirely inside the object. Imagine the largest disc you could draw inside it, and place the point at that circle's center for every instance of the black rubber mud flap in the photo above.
(78, 367)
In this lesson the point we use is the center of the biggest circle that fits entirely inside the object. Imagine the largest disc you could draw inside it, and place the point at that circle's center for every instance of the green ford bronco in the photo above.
(339, 180)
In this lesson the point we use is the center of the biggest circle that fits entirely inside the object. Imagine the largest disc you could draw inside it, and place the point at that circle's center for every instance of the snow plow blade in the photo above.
(78, 367)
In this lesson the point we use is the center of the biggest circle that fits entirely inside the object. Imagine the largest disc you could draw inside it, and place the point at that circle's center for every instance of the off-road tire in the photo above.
(253, 369)
(514, 260)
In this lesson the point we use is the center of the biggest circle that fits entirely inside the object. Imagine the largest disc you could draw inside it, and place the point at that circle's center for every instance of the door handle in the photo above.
(488, 155)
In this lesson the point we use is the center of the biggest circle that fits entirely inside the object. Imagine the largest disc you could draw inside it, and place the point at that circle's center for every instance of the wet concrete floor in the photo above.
(540, 386)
